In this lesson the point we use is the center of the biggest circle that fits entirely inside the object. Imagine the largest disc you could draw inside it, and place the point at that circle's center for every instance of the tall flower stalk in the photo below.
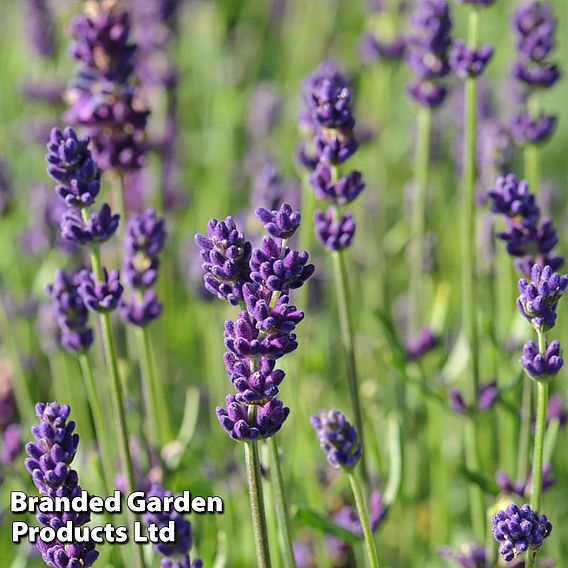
(468, 62)
(340, 440)
(329, 120)
(537, 302)
(70, 164)
(260, 281)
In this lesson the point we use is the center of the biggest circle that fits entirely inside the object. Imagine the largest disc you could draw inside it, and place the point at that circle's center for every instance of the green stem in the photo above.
(421, 174)
(158, 416)
(469, 304)
(541, 409)
(252, 462)
(346, 331)
(531, 152)
(280, 504)
(364, 518)
(525, 431)
(99, 421)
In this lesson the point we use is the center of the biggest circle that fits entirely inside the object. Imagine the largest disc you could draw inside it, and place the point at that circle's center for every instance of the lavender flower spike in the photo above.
(49, 465)
(70, 163)
(176, 553)
(225, 254)
(268, 421)
(518, 530)
(338, 438)
(141, 311)
(281, 223)
(100, 296)
(538, 298)
(538, 365)
(467, 62)
(99, 228)
(332, 232)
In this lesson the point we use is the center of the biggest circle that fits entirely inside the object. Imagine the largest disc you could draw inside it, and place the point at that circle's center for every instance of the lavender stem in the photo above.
(99, 421)
(346, 330)
(364, 519)
(469, 305)
(280, 504)
(116, 394)
(252, 462)
(421, 175)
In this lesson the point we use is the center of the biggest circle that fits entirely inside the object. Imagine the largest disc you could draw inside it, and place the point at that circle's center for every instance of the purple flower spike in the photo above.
(176, 553)
(525, 130)
(71, 165)
(343, 191)
(513, 199)
(145, 233)
(427, 94)
(538, 365)
(253, 386)
(467, 62)
(225, 254)
(277, 269)
(54, 449)
(518, 530)
(281, 223)
(99, 228)
(100, 296)
(334, 234)
(141, 311)
(338, 438)
(538, 298)
(418, 347)
(235, 420)
(543, 76)
(71, 313)
(534, 25)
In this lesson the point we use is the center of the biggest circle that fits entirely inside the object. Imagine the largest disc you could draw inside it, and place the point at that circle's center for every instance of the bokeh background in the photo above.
(240, 67)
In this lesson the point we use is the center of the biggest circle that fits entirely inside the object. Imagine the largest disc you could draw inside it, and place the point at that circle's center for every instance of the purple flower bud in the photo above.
(225, 254)
(99, 228)
(525, 130)
(542, 365)
(418, 347)
(543, 76)
(467, 62)
(141, 311)
(100, 296)
(178, 550)
(343, 191)
(534, 25)
(334, 234)
(518, 530)
(427, 94)
(338, 438)
(538, 298)
(281, 223)
(235, 419)
(487, 396)
(71, 313)
(70, 163)
(277, 269)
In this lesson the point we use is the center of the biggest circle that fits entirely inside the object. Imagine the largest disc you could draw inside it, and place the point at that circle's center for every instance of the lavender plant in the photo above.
(340, 441)
(49, 464)
(259, 280)
(327, 100)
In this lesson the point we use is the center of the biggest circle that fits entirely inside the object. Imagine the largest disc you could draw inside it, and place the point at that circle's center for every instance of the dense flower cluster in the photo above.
(427, 55)
(338, 438)
(518, 530)
(528, 237)
(328, 119)
(49, 464)
(144, 239)
(71, 313)
(259, 281)
(104, 98)
(468, 62)
(100, 296)
(176, 553)
(534, 25)
(542, 364)
(71, 165)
